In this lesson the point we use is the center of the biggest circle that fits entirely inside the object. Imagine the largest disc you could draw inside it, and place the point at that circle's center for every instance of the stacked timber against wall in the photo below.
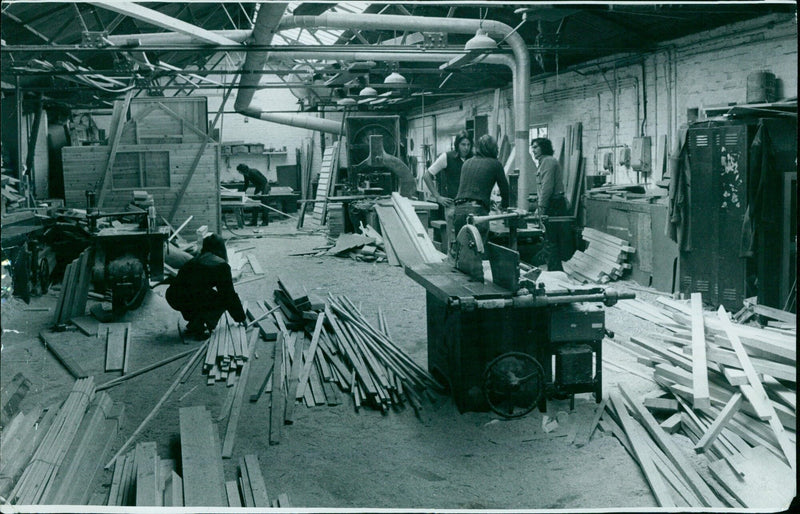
(158, 145)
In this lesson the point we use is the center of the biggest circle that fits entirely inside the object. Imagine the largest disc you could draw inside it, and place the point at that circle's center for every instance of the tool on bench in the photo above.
(511, 343)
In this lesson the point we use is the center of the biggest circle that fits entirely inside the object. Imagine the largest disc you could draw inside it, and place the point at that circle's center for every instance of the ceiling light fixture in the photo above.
(368, 91)
(395, 78)
(480, 41)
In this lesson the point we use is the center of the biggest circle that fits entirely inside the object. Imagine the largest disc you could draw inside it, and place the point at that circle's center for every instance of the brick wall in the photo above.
(696, 72)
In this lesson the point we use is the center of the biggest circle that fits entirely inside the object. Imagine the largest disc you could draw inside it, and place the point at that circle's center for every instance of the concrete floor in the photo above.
(334, 457)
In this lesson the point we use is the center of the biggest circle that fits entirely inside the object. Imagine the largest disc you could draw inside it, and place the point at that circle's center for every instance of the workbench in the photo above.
(642, 224)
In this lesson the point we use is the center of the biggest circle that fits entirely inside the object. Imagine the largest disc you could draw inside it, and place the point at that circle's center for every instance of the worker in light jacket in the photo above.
(254, 177)
(551, 200)
(203, 290)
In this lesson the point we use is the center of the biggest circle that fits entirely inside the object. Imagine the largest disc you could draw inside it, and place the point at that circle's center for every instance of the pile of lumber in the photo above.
(367, 246)
(334, 352)
(227, 351)
(766, 316)
(52, 456)
(604, 260)
(10, 191)
(406, 240)
(74, 289)
(729, 388)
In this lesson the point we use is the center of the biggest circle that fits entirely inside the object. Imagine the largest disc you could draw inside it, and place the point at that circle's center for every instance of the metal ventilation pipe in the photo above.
(452, 25)
(269, 17)
(300, 120)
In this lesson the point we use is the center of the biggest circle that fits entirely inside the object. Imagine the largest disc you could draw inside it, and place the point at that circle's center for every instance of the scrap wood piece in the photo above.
(347, 242)
(147, 472)
(768, 483)
(233, 419)
(701, 399)
(719, 423)
(232, 491)
(395, 235)
(697, 484)
(303, 378)
(203, 478)
(654, 478)
(62, 356)
(760, 394)
(253, 260)
(13, 394)
(277, 405)
(256, 480)
(117, 336)
(585, 432)
(86, 324)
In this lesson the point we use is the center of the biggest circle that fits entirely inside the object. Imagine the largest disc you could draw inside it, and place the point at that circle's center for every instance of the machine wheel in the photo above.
(513, 384)
(129, 283)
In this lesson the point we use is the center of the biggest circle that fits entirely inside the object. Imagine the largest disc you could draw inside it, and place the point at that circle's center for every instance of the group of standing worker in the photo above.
(466, 181)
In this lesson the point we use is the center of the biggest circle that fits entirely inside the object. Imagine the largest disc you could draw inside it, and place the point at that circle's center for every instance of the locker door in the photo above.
(698, 274)
(730, 145)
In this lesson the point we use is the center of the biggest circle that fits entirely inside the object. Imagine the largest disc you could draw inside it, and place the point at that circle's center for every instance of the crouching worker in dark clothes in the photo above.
(203, 290)
(257, 179)
(479, 175)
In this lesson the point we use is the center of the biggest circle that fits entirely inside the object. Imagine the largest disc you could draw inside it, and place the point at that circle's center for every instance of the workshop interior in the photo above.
(627, 295)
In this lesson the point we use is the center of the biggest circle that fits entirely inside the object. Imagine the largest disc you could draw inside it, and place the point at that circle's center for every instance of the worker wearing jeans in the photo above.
(478, 177)
(551, 198)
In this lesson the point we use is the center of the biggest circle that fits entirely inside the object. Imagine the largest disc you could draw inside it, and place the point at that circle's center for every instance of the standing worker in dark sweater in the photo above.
(551, 200)
(203, 290)
(478, 177)
(447, 170)
(257, 179)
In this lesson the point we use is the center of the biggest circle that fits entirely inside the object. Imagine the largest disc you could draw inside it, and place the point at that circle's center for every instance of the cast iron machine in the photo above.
(510, 344)
(128, 256)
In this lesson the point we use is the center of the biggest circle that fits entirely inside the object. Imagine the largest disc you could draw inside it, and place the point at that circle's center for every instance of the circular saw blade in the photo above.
(469, 252)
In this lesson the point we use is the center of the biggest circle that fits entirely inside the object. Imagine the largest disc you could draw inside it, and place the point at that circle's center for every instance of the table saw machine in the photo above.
(511, 343)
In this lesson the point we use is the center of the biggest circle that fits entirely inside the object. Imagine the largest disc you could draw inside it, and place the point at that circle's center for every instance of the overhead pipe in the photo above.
(521, 84)
(269, 17)
(175, 38)
(301, 121)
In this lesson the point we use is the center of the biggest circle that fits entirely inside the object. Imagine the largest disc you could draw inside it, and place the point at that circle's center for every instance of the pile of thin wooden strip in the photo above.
(227, 351)
(406, 240)
(74, 289)
(604, 260)
(143, 479)
(60, 449)
(339, 351)
(733, 395)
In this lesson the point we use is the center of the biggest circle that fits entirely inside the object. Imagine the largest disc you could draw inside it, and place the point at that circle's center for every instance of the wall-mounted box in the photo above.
(640, 154)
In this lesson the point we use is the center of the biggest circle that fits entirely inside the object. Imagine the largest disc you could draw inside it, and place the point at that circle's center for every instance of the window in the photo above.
(141, 169)
(534, 132)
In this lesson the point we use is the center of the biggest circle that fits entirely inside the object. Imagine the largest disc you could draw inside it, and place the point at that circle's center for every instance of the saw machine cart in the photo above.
(498, 354)
(509, 344)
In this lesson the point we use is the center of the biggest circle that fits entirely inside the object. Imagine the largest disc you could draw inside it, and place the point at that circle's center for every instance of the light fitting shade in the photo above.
(480, 41)
(368, 91)
(395, 78)
(345, 101)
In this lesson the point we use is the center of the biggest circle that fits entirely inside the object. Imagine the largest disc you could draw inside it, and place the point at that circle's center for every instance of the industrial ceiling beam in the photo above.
(158, 19)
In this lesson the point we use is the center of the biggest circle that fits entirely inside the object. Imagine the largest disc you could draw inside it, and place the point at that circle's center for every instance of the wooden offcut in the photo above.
(203, 479)
(701, 398)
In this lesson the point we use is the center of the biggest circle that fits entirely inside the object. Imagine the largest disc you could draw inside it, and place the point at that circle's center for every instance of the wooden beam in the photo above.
(786, 445)
(159, 19)
(116, 128)
(719, 423)
(696, 482)
(642, 453)
(701, 399)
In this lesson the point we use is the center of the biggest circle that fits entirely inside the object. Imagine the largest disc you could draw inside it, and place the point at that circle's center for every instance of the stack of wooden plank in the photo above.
(74, 289)
(143, 479)
(733, 391)
(249, 490)
(769, 316)
(52, 456)
(406, 240)
(227, 351)
(603, 260)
